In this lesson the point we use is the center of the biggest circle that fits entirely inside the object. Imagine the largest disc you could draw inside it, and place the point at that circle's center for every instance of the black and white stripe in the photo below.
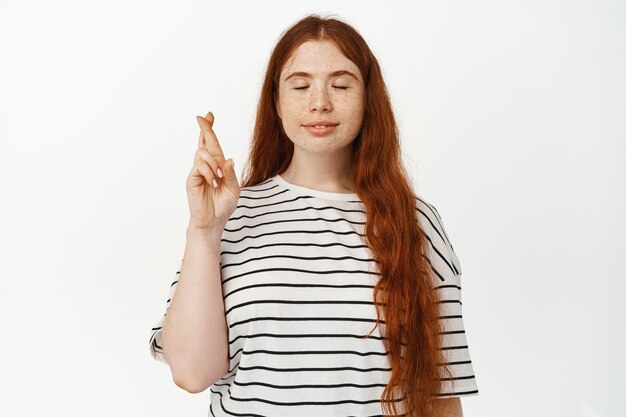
(297, 282)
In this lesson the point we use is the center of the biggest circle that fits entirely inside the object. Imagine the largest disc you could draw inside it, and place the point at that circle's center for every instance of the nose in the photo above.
(320, 99)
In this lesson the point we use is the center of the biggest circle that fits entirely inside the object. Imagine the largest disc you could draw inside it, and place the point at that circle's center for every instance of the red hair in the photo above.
(404, 293)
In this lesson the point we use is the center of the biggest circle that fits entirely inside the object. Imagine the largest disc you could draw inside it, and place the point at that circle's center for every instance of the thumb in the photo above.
(230, 176)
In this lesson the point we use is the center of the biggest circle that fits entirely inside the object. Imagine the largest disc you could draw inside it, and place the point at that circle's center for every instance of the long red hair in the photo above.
(404, 292)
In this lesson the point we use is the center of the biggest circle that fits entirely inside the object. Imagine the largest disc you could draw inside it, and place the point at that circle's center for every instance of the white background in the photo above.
(512, 115)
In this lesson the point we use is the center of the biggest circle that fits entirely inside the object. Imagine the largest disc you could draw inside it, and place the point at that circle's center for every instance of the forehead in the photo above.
(318, 58)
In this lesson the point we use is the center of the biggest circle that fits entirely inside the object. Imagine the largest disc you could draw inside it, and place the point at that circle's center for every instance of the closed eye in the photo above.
(334, 86)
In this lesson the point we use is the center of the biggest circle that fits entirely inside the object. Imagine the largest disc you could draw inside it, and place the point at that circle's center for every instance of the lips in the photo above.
(320, 131)
(321, 123)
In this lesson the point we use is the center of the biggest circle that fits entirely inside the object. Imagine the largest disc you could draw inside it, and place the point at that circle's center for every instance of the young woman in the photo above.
(323, 286)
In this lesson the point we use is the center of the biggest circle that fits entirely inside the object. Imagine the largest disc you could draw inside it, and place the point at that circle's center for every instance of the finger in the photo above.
(201, 142)
(203, 154)
(230, 176)
(206, 172)
(206, 127)
(211, 142)
(210, 117)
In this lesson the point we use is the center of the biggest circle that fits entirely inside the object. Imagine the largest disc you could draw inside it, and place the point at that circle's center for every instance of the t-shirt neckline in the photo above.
(326, 195)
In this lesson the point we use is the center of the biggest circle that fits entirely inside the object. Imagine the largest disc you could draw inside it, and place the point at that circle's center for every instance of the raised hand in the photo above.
(212, 185)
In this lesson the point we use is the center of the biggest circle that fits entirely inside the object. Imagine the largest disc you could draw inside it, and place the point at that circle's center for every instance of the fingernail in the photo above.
(214, 183)
(219, 172)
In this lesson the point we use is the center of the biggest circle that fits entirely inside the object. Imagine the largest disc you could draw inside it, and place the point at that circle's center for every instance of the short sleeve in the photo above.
(155, 346)
(447, 274)
(454, 344)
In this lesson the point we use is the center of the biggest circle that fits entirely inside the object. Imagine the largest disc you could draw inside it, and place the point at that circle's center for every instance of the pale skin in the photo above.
(449, 407)
(318, 162)
(318, 82)
(309, 91)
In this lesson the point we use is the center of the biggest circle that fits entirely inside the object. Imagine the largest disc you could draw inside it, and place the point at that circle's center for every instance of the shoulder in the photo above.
(430, 219)
(432, 225)
(257, 196)
(261, 189)
(255, 203)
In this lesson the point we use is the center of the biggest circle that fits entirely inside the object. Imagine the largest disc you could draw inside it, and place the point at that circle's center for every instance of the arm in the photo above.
(448, 407)
(195, 335)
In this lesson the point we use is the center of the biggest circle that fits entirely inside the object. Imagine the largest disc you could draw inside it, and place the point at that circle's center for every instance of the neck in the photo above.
(321, 172)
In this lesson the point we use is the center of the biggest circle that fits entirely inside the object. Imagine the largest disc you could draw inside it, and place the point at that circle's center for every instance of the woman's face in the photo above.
(319, 83)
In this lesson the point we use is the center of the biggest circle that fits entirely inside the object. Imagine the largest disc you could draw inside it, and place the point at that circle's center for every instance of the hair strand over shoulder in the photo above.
(404, 294)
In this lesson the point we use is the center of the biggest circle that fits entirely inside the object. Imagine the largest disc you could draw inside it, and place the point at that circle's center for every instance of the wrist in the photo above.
(213, 234)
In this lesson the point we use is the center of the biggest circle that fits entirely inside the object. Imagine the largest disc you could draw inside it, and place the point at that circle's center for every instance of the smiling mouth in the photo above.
(320, 131)
(320, 124)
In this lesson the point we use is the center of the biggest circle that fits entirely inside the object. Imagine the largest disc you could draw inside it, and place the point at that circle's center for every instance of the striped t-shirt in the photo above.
(297, 281)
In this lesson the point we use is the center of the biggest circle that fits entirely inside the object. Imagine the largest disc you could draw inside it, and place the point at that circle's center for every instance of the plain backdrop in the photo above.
(512, 119)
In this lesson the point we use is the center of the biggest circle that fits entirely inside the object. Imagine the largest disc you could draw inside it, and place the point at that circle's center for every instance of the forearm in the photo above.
(195, 336)
(449, 407)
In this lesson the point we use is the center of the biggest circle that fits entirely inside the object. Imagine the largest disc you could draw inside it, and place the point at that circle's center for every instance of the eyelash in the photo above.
(302, 88)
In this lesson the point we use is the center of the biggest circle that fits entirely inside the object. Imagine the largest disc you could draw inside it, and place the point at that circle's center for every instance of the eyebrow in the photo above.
(332, 74)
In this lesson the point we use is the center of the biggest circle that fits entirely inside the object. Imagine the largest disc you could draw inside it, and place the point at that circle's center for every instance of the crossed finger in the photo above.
(208, 139)
(209, 117)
